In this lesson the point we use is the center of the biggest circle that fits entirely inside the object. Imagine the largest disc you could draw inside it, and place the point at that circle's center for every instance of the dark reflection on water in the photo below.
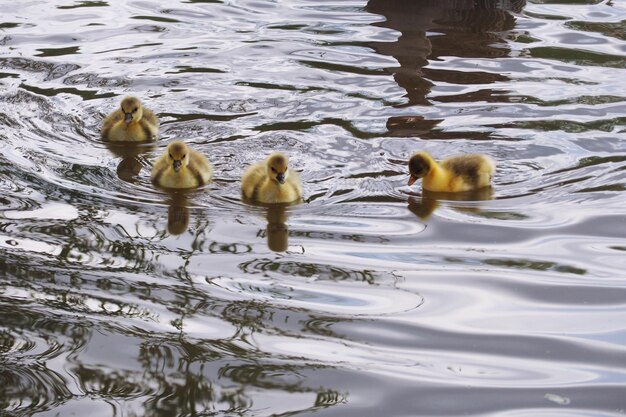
(368, 298)
(277, 231)
(432, 29)
(463, 28)
(177, 213)
(131, 161)
(424, 206)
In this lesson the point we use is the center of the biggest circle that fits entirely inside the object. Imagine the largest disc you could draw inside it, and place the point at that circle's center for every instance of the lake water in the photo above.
(370, 298)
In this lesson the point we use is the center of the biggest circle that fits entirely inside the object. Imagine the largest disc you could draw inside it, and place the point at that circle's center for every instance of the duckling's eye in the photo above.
(184, 156)
(135, 109)
(171, 156)
(273, 169)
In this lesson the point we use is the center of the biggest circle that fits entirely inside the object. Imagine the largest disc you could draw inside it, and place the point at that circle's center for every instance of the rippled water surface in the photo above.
(369, 298)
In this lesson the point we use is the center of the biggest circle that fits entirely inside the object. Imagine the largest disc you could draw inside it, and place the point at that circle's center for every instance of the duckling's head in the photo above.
(178, 154)
(420, 165)
(277, 167)
(131, 106)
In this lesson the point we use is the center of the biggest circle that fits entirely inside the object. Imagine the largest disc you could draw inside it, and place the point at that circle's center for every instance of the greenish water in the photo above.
(369, 299)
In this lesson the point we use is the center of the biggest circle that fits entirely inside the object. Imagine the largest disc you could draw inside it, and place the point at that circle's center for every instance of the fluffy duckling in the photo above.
(454, 174)
(181, 167)
(271, 181)
(130, 123)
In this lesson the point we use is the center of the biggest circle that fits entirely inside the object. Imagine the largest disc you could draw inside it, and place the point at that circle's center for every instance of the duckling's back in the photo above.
(252, 180)
(109, 121)
(470, 171)
(200, 167)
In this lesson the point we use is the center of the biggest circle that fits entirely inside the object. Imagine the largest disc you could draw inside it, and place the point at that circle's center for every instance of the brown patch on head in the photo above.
(419, 165)
(277, 163)
(130, 104)
(178, 150)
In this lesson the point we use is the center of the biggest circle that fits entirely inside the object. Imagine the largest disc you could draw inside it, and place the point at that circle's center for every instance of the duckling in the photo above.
(271, 181)
(130, 123)
(181, 167)
(454, 174)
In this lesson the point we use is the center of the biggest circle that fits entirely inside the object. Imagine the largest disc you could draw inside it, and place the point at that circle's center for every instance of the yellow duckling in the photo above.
(130, 123)
(271, 181)
(454, 174)
(181, 167)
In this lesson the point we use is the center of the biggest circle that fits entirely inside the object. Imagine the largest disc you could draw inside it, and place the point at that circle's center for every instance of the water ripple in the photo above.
(368, 293)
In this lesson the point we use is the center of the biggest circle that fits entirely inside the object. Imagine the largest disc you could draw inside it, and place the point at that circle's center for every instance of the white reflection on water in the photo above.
(349, 299)
(49, 211)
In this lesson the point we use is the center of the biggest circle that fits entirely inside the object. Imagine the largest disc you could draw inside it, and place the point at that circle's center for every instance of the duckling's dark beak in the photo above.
(412, 179)
(128, 117)
(280, 178)
(177, 164)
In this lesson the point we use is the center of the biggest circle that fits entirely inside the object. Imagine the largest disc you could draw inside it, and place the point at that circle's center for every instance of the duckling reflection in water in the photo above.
(424, 206)
(455, 174)
(277, 231)
(129, 168)
(181, 167)
(178, 213)
(130, 123)
(271, 181)
(132, 162)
